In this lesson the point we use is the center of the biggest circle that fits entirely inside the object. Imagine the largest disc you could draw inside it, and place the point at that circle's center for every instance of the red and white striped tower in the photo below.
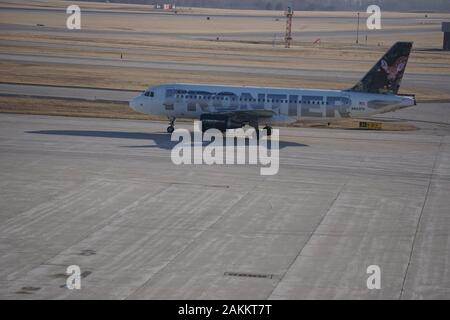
(288, 37)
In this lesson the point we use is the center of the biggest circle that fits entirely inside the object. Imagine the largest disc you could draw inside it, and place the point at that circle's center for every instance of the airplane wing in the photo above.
(229, 119)
(246, 114)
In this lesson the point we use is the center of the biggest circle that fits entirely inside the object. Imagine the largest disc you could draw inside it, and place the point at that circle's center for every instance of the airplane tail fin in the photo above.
(386, 75)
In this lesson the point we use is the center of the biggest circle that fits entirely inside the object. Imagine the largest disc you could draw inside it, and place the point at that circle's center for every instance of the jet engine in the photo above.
(221, 122)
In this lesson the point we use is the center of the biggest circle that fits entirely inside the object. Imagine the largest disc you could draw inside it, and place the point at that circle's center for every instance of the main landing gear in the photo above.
(171, 128)
(255, 125)
(269, 130)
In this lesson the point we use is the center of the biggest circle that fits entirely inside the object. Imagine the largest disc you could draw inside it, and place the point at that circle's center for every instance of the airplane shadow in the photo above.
(161, 139)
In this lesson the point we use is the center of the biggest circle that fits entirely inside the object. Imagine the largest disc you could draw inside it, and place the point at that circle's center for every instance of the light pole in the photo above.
(357, 31)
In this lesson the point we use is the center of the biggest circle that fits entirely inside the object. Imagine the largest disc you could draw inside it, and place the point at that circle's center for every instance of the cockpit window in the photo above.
(149, 94)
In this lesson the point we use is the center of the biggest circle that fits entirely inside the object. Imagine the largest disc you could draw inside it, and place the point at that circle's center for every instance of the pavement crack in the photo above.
(420, 217)
(309, 239)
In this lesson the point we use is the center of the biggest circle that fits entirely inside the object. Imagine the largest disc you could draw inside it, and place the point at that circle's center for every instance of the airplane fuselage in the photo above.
(279, 105)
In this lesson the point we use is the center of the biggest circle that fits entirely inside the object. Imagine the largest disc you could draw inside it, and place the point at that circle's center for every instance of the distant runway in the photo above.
(66, 92)
(104, 195)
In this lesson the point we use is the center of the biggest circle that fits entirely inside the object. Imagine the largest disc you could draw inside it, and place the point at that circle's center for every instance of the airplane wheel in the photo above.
(170, 129)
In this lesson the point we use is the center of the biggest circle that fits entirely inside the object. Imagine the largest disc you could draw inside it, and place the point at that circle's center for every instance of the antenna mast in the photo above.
(288, 37)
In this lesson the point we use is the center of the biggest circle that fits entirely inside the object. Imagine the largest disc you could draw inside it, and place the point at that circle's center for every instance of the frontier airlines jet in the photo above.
(230, 107)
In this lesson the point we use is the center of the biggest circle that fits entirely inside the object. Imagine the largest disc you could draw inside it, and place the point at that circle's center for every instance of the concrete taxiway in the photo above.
(104, 195)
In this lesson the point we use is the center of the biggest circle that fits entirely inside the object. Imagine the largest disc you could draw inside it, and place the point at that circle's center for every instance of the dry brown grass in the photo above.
(354, 125)
(139, 79)
(136, 78)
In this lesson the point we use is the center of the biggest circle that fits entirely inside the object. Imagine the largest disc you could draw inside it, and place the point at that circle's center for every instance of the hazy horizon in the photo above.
(304, 5)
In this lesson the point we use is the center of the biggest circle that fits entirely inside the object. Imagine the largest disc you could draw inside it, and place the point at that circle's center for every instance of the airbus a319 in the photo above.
(230, 107)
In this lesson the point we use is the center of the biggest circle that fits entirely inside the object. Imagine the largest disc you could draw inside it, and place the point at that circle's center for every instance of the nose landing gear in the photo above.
(171, 128)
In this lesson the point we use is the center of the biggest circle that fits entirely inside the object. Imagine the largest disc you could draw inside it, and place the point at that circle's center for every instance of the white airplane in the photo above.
(230, 107)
